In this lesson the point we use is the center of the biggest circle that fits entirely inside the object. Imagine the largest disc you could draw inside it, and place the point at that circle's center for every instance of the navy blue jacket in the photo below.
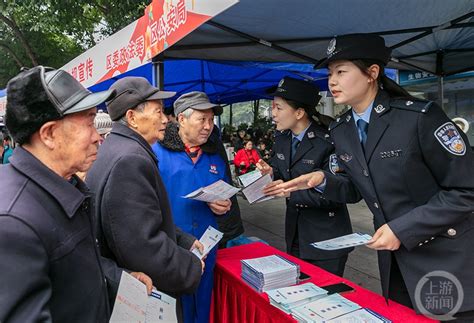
(308, 213)
(50, 265)
(415, 175)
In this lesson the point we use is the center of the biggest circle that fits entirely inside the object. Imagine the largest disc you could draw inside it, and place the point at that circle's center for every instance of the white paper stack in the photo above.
(324, 309)
(288, 298)
(267, 273)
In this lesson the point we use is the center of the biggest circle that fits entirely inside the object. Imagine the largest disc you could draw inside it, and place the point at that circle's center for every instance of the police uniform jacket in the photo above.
(50, 264)
(415, 175)
(308, 215)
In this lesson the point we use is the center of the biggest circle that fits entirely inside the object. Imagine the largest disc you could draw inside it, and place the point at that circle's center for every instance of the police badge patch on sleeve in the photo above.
(449, 137)
(334, 164)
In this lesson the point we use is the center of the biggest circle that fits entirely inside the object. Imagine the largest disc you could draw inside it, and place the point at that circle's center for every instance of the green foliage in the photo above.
(52, 32)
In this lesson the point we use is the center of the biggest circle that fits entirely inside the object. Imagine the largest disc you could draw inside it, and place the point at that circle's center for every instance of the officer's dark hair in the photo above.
(311, 112)
(392, 88)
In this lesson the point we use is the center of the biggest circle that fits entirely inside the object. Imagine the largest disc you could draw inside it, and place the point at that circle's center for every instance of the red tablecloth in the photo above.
(235, 301)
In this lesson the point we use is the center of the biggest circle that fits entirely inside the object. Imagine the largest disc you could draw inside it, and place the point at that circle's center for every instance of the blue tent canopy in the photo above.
(227, 82)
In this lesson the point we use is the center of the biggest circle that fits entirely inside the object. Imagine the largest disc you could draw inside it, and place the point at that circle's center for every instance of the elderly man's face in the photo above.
(77, 141)
(198, 127)
(151, 123)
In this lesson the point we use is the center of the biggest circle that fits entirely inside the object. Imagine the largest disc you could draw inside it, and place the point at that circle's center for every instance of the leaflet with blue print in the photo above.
(209, 239)
(287, 298)
(134, 305)
(254, 191)
(324, 309)
(250, 177)
(347, 241)
(217, 191)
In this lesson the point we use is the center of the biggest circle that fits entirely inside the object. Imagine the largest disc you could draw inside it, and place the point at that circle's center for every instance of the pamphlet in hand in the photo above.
(133, 304)
(209, 239)
(219, 190)
(254, 191)
(347, 241)
(250, 177)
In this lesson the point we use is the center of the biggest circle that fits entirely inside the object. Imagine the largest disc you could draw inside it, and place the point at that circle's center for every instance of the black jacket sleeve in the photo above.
(133, 228)
(25, 289)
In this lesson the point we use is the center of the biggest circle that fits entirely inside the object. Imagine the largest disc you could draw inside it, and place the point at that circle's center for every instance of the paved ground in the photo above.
(266, 221)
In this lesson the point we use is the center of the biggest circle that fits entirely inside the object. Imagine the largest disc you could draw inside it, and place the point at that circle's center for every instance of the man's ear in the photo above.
(131, 117)
(180, 118)
(49, 132)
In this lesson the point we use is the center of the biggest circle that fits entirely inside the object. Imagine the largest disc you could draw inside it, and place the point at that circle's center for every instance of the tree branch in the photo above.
(14, 27)
(12, 54)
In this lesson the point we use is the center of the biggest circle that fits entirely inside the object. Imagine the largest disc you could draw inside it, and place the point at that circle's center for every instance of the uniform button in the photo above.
(426, 241)
(287, 170)
(452, 232)
(366, 173)
(331, 214)
(420, 244)
(432, 238)
(376, 205)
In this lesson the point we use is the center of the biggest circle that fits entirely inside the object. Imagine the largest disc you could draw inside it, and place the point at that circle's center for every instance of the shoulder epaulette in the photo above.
(410, 104)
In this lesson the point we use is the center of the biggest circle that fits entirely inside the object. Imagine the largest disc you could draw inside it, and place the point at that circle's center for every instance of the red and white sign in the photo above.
(165, 22)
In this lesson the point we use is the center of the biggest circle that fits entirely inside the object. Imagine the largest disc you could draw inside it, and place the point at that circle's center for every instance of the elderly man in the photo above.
(50, 263)
(187, 161)
(136, 227)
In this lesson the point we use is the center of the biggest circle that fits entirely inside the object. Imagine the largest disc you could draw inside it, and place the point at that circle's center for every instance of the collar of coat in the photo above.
(69, 196)
(172, 140)
(125, 131)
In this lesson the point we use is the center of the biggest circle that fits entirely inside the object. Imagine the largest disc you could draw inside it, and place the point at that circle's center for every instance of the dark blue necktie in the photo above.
(294, 144)
(363, 128)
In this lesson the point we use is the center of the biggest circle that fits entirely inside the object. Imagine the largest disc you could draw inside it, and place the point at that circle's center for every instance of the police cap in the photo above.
(297, 90)
(356, 46)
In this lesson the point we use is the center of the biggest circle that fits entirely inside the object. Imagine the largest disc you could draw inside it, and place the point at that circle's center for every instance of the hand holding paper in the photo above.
(209, 240)
(347, 241)
(219, 190)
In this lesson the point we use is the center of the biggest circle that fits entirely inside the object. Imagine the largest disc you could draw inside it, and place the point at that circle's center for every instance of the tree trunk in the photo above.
(13, 55)
(14, 27)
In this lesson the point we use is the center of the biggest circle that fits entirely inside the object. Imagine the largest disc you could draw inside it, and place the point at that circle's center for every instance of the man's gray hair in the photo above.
(123, 120)
(187, 113)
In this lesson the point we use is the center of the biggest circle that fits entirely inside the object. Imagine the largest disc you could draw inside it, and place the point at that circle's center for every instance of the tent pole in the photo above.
(440, 73)
(433, 30)
(262, 42)
(230, 115)
(158, 73)
(441, 91)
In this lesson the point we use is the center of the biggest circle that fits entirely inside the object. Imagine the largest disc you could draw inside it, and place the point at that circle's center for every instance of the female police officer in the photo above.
(302, 148)
(413, 167)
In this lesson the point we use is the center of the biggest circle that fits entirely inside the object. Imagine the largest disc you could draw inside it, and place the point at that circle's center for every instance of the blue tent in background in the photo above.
(226, 82)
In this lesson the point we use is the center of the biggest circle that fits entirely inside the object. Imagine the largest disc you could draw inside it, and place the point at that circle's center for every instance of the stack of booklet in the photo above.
(267, 273)
(288, 298)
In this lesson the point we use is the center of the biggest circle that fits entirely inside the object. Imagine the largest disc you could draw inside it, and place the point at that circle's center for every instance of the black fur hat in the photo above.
(38, 95)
